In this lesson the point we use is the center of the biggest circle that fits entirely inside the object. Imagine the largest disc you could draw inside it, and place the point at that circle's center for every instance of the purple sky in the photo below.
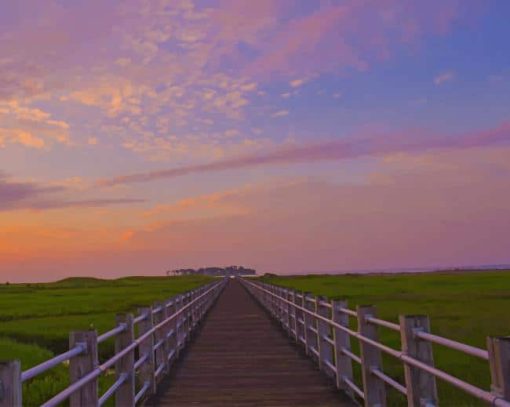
(289, 136)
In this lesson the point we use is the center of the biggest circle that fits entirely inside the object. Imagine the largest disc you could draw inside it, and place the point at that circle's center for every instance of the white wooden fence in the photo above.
(140, 361)
(323, 328)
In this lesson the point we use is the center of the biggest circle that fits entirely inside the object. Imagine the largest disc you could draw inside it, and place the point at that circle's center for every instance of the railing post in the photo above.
(288, 308)
(193, 309)
(147, 348)
(308, 319)
(205, 302)
(174, 341)
(273, 301)
(324, 331)
(167, 329)
(279, 306)
(343, 362)
(272, 308)
(175, 325)
(270, 298)
(179, 322)
(499, 359)
(184, 328)
(159, 337)
(421, 386)
(293, 314)
(373, 387)
(300, 316)
(10, 384)
(190, 314)
(197, 305)
(284, 309)
(186, 318)
(82, 364)
(281, 317)
(200, 304)
(125, 396)
(266, 297)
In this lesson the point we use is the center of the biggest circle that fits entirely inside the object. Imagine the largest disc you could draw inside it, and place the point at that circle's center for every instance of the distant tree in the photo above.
(216, 271)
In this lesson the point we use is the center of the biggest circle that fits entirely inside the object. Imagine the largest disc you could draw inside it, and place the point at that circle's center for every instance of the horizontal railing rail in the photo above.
(139, 361)
(323, 328)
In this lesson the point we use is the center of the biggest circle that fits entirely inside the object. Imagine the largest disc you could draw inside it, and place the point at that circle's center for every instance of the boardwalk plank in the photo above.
(241, 358)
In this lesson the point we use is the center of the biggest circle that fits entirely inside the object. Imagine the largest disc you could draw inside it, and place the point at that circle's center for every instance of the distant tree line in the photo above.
(215, 271)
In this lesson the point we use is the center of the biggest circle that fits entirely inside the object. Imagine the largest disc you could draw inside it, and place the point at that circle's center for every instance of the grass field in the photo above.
(35, 319)
(465, 306)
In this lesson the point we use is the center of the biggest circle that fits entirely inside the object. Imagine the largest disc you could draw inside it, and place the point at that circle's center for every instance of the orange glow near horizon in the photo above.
(289, 137)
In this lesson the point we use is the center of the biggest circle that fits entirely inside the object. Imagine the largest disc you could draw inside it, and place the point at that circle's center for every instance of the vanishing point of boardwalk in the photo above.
(240, 357)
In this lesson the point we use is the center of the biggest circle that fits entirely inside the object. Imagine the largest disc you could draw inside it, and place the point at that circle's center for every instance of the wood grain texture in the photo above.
(421, 386)
(80, 365)
(241, 358)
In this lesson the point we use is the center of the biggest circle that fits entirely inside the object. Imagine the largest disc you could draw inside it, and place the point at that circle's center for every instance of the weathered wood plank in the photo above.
(80, 365)
(10, 384)
(146, 350)
(125, 395)
(241, 357)
(371, 358)
(343, 362)
(421, 386)
(499, 354)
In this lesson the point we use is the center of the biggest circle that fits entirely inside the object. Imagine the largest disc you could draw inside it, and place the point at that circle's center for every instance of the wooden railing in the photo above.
(140, 361)
(323, 328)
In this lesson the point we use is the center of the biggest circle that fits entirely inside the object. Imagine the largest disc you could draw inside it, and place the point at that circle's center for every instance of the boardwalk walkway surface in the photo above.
(241, 358)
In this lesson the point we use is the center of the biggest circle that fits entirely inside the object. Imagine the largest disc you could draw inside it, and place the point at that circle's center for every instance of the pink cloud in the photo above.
(16, 195)
(353, 34)
(46, 39)
(416, 210)
(121, 67)
(305, 37)
(419, 210)
(433, 214)
(444, 77)
(332, 151)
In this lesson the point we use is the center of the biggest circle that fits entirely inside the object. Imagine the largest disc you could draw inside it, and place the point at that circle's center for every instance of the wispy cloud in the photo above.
(86, 203)
(332, 150)
(350, 218)
(296, 83)
(182, 60)
(30, 126)
(280, 113)
(12, 192)
(350, 35)
(15, 195)
(444, 77)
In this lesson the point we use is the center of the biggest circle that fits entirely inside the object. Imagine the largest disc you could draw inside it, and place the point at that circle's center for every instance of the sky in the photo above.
(292, 136)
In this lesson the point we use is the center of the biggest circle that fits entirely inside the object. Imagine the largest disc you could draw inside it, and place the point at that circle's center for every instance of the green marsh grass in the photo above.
(35, 320)
(464, 306)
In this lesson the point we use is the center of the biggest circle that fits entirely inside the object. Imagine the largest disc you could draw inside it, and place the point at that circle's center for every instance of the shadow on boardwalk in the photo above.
(241, 358)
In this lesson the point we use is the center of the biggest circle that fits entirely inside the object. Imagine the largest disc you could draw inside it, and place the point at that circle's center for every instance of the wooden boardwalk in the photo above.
(241, 357)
